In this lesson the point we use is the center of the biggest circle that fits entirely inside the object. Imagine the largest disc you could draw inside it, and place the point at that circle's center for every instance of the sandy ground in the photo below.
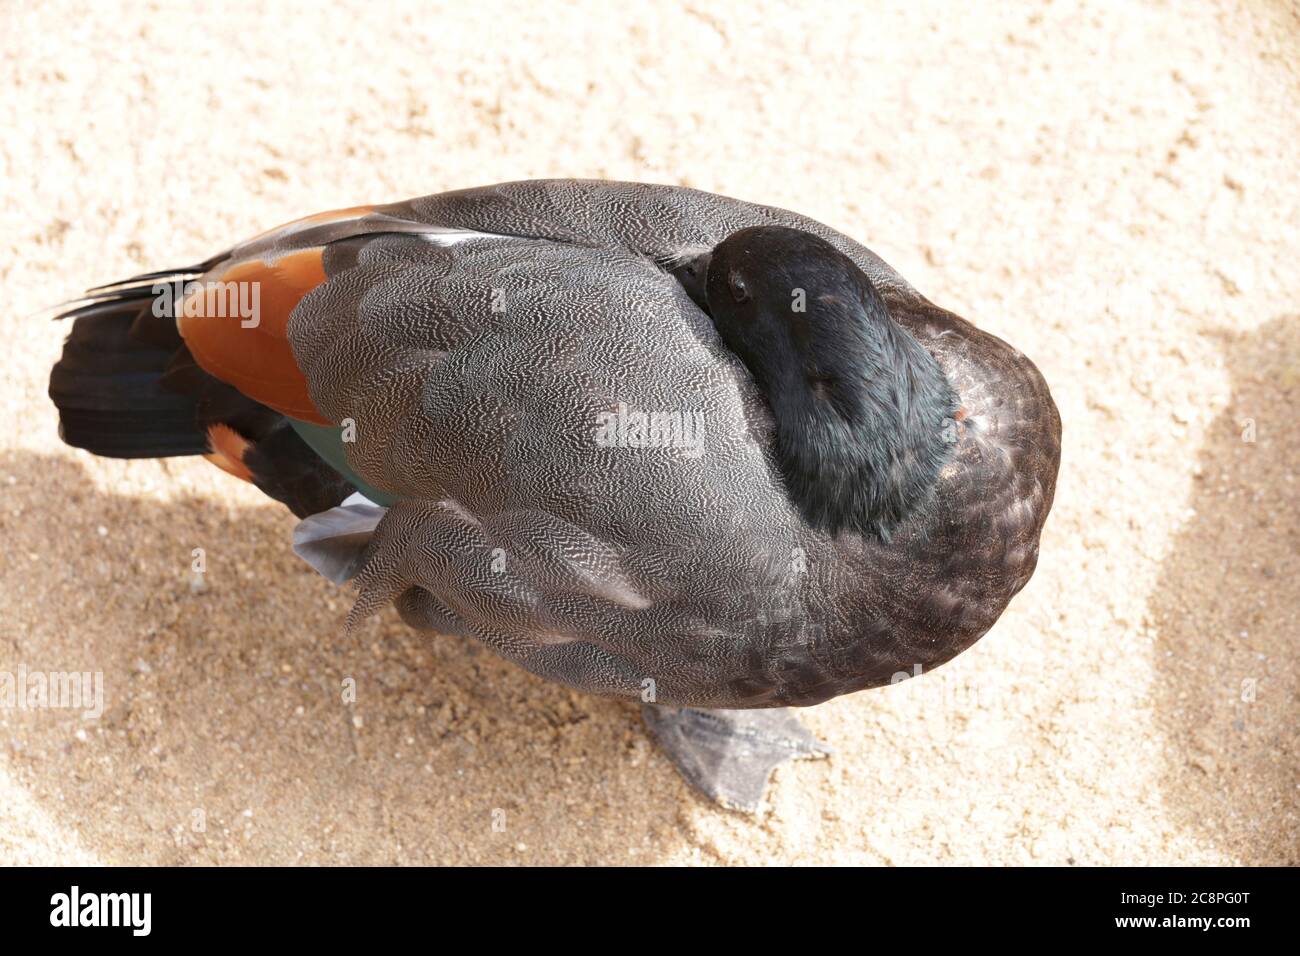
(1111, 186)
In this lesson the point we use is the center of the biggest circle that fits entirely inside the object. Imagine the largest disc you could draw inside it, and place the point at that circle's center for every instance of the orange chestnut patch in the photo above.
(228, 448)
(235, 325)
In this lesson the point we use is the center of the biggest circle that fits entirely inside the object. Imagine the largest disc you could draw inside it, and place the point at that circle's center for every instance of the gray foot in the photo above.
(728, 755)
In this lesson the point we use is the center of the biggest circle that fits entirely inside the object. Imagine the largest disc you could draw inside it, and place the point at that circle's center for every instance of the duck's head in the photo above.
(863, 412)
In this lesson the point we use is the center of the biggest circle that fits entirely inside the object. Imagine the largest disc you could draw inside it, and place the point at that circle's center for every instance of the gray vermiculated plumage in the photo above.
(477, 374)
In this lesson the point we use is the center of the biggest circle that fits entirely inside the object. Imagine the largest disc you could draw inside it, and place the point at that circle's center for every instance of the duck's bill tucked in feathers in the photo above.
(863, 412)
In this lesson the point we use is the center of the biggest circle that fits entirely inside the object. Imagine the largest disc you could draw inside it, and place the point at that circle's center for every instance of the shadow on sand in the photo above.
(226, 737)
(1227, 614)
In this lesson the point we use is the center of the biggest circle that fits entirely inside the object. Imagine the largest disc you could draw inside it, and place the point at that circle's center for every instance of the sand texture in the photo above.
(1110, 186)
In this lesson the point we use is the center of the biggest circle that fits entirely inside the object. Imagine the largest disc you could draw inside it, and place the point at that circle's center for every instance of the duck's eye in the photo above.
(739, 291)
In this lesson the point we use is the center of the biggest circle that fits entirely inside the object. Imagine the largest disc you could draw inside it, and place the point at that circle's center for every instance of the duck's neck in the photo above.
(861, 450)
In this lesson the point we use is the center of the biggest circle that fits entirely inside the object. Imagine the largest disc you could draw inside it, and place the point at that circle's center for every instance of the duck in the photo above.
(820, 480)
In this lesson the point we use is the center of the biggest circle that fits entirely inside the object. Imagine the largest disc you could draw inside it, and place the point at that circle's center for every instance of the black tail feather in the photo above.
(126, 386)
(106, 387)
(168, 275)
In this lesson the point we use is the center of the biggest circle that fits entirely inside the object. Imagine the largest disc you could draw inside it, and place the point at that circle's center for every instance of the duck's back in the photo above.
(582, 468)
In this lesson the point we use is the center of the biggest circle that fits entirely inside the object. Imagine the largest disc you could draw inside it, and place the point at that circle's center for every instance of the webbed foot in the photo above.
(728, 755)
